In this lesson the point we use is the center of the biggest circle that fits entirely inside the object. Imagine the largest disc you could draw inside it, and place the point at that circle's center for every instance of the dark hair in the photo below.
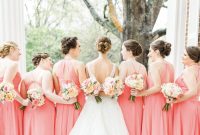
(5, 48)
(133, 46)
(38, 57)
(67, 43)
(103, 44)
(194, 53)
(163, 47)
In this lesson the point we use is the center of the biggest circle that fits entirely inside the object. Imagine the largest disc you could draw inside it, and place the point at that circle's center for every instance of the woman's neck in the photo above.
(103, 56)
(192, 65)
(132, 58)
(40, 67)
(69, 57)
(9, 58)
(159, 59)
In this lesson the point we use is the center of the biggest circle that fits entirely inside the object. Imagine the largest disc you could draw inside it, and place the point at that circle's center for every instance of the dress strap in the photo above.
(136, 70)
(198, 74)
(112, 74)
(89, 71)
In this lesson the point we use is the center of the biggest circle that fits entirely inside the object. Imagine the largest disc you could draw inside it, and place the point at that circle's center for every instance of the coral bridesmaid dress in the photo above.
(132, 111)
(186, 113)
(155, 120)
(66, 115)
(11, 117)
(39, 120)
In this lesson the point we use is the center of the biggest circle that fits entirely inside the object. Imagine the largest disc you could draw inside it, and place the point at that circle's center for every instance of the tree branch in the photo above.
(104, 23)
(38, 14)
(59, 19)
(157, 34)
(113, 16)
(154, 7)
(48, 11)
(104, 12)
(29, 18)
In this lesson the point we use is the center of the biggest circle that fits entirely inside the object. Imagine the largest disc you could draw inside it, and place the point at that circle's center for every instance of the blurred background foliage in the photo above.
(47, 22)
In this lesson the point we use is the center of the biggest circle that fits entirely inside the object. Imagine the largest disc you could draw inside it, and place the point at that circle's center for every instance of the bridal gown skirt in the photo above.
(103, 118)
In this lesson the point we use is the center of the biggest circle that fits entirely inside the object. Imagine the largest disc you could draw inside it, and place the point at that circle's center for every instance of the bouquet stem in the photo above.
(132, 98)
(77, 105)
(22, 107)
(98, 99)
(166, 107)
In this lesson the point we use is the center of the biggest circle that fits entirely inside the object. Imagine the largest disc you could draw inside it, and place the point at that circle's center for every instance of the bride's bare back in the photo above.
(100, 68)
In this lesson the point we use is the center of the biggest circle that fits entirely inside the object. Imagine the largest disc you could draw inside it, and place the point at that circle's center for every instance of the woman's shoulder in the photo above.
(189, 71)
(78, 62)
(91, 63)
(27, 76)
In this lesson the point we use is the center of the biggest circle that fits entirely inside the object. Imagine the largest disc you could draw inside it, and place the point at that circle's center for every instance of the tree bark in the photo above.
(104, 23)
(139, 17)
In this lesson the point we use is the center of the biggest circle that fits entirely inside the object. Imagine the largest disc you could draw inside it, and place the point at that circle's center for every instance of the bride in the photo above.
(104, 118)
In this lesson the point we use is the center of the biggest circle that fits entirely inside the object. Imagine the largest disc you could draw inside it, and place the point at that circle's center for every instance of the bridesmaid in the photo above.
(68, 69)
(156, 121)
(132, 111)
(10, 114)
(39, 120)
(186, 107)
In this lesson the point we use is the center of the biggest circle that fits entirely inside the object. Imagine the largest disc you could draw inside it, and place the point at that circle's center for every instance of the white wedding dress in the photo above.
(104, 118)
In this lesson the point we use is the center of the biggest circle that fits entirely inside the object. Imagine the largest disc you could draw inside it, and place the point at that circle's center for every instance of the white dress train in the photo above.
(104, 118)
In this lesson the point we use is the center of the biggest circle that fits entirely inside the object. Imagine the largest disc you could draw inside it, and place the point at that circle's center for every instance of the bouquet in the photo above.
(36, 97)
(135, 81)
(7, 92)
(171, 91)
(70, 90)
(92, 87)
(113, 87)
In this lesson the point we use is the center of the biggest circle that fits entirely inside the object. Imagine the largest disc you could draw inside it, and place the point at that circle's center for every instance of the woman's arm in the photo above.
(190, 80)
(9, 76)
(122, 71)
(82, 72)
(56, 82)
(47, 86)
(155, 76)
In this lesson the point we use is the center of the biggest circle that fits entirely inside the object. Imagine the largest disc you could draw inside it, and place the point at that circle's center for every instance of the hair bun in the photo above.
(167, 45)
(5, 48)
(67, 43)
(37, 58)
(133, 46)
(163, 47)
(103, 44)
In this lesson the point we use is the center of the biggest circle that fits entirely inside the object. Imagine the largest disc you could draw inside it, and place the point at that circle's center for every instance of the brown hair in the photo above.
(38, 57)
(67, 43)
(133, 46)
(163, 47)
(103, 44)
(5, 48)
(194, 53)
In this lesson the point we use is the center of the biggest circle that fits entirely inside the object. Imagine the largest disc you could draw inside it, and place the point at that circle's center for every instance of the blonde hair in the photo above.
(5, 48)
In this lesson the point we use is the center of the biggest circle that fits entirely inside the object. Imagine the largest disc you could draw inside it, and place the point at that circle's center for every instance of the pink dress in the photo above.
(66, 115)
(199, 111)
(156, 121)
(186, 113)
(132, 111)
(39, 120)
(11, 117)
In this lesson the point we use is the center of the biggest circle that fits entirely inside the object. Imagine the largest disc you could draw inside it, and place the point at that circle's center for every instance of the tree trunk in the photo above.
(139, 17)
(138, 21)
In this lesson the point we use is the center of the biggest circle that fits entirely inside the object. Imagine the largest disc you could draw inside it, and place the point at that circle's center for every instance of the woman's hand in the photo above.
(25, 102)
(171, 100)
(72, 101)
(134, 92)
